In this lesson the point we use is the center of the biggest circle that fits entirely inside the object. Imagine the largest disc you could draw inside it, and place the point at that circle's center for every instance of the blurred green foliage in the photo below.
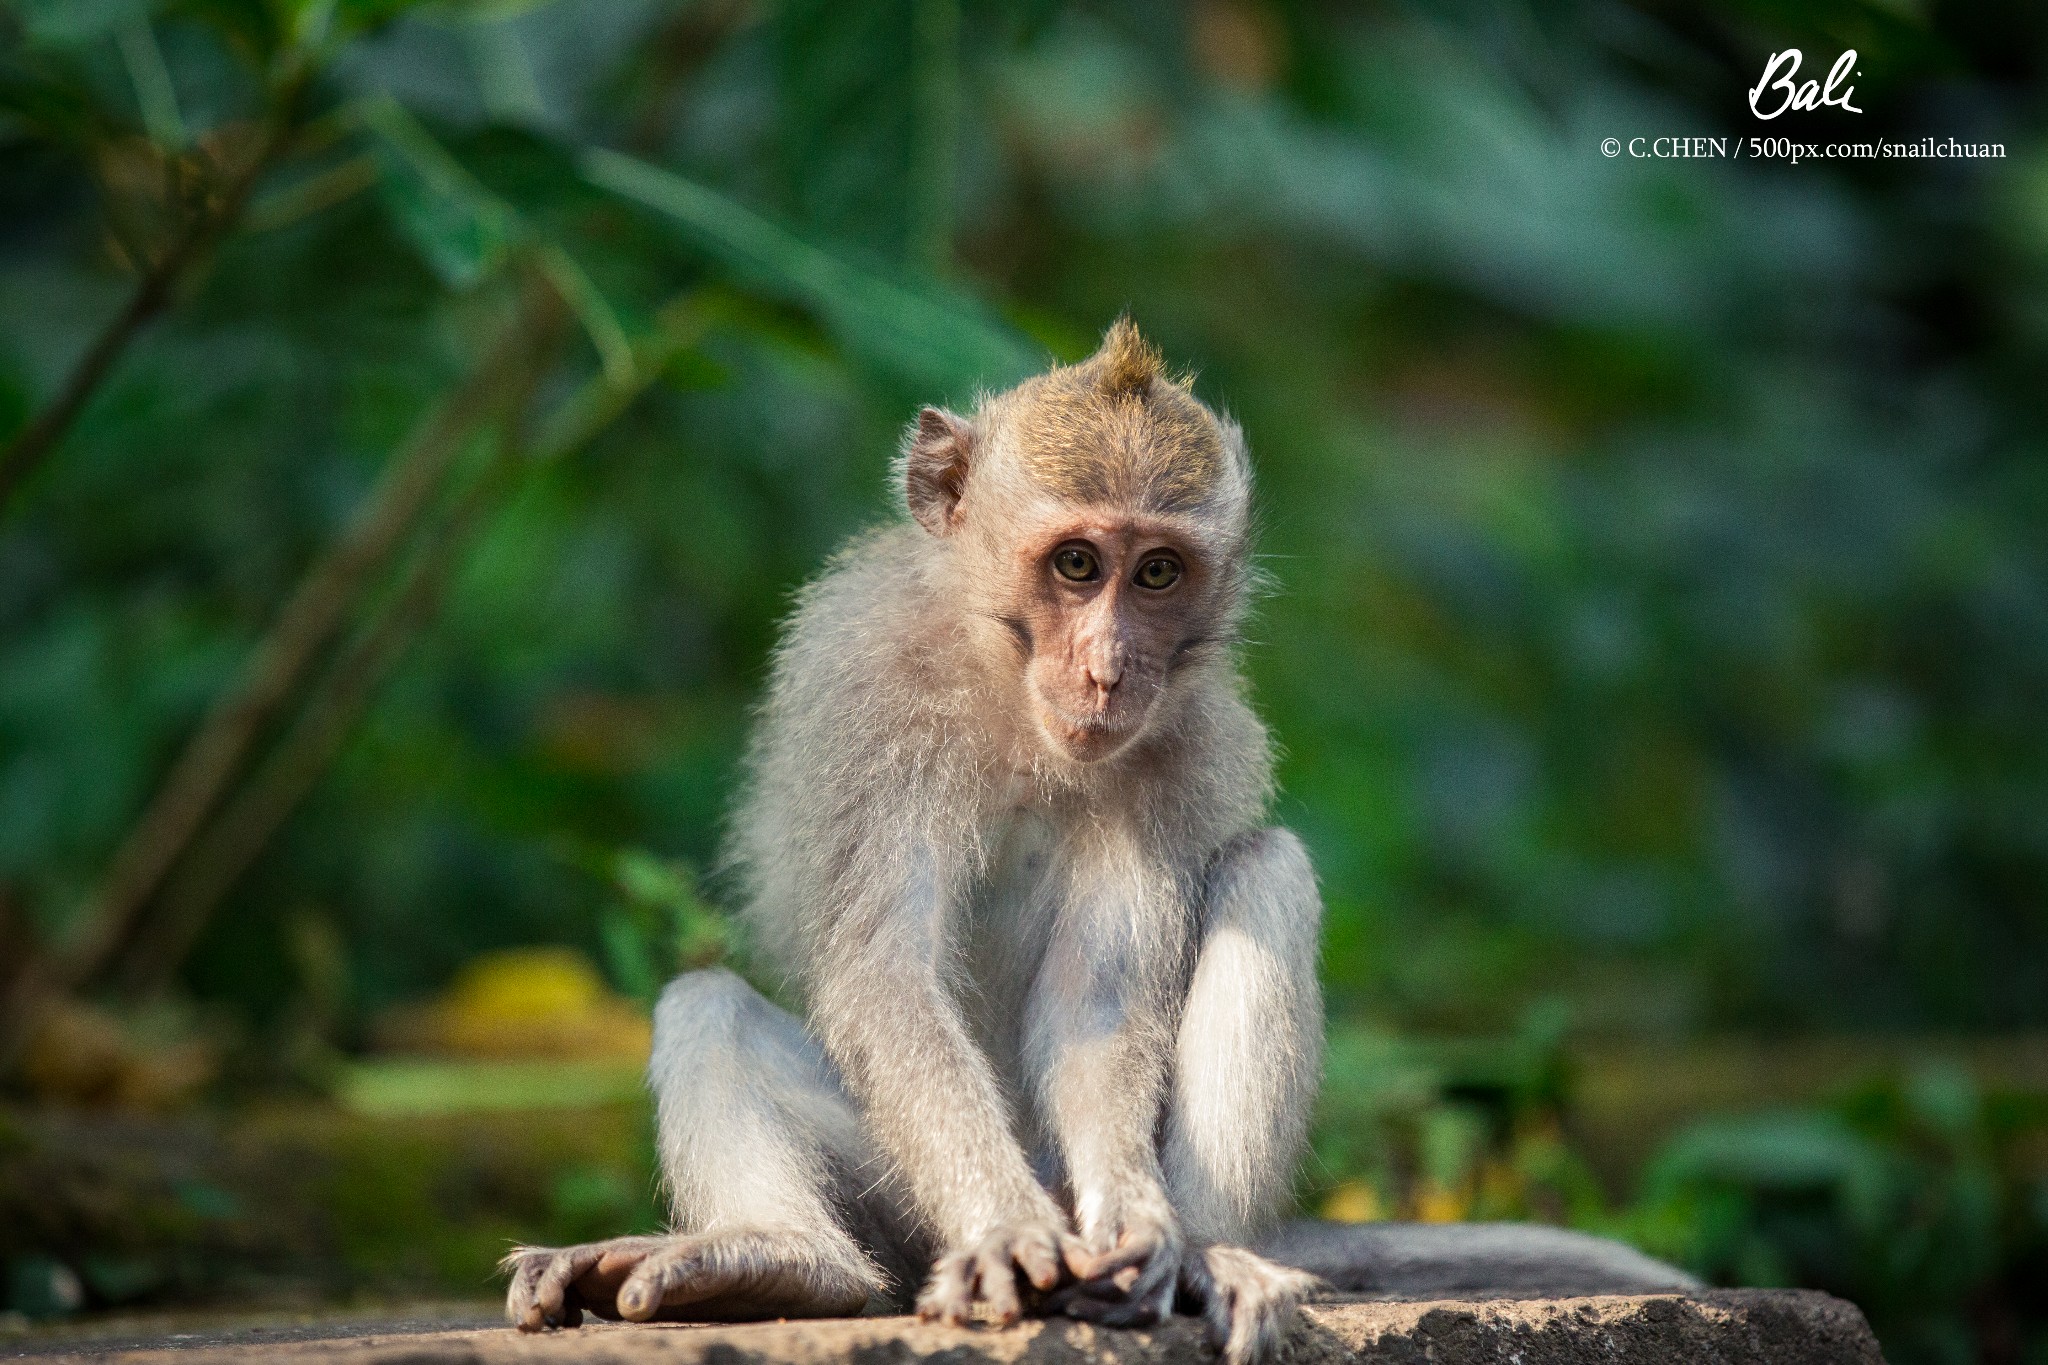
(1659, 618)
(1918, 1193)
(1658, 606)
(288, 1205)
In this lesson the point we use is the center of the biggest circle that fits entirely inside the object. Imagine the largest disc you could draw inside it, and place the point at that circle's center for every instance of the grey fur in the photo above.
(1063, 1025)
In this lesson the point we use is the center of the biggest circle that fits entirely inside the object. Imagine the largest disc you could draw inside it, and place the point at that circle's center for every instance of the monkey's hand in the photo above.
(1130, 1275)
(1247, 1302)
(986, 1274)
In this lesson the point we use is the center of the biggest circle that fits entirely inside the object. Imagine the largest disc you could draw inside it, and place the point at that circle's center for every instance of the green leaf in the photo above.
(73, 23)
(695, 934)
(843, 81)
(593, 310)
(461, 228)
(927, 335)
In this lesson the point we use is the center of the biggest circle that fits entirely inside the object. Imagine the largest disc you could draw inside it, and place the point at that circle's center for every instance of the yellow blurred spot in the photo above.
(1435, 1203)
(522, 1002)
(1503, 1188)
(88, 1055)
(1354, 1201)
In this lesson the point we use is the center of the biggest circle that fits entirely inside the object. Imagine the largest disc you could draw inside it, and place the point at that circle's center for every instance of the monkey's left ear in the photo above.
(935, 456)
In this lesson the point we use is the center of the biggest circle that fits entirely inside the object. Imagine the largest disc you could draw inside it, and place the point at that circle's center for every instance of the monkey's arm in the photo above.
(1099, 1035)
(882, 1005)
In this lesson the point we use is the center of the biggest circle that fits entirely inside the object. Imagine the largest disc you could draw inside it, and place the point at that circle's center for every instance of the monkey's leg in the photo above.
(770, 1175)
(1246, 1063)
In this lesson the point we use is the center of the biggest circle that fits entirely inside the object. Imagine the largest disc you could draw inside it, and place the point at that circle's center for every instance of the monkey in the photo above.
(1004, 832)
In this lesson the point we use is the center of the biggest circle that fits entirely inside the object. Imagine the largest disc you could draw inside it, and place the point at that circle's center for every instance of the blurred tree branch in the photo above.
(224, 852)
(316, 611)
(227, 850)
(202, 231)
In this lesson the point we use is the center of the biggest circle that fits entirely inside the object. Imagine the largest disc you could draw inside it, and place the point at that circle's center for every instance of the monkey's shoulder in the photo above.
(866, 654)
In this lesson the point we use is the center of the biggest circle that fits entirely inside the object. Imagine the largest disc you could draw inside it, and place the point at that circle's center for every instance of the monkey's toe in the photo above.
(1247, 1302)
(553, 1286)
(663, 1276)
(948, 1296)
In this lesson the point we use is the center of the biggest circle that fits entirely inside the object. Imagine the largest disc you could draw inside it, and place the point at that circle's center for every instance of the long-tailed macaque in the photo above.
(1005, 831)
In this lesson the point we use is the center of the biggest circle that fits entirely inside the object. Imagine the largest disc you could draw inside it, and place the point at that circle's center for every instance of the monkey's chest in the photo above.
(1004, 934)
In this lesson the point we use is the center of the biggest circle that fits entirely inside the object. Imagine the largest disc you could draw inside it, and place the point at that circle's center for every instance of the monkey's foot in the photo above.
(1247, 1302)
(717, 1277)
(986, 1274)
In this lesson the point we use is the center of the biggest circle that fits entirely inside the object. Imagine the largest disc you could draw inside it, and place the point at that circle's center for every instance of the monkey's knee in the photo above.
(714, 1032)
(693, 995)
(1262, 882)
(1262, 864)
(1261, 923)
(1250, 1042)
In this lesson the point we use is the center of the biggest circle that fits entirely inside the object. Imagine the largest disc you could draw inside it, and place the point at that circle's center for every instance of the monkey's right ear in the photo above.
(935, 456)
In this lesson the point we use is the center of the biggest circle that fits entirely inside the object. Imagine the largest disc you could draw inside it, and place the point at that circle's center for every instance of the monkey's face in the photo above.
(1106, 606)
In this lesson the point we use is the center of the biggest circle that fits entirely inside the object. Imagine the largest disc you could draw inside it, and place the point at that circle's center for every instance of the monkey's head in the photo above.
(1096, 516)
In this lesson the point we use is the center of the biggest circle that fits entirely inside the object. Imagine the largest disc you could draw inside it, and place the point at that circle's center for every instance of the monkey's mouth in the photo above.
(1089, 737)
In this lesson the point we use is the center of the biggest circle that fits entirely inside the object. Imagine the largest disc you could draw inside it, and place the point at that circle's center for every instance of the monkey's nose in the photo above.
(1103, 675)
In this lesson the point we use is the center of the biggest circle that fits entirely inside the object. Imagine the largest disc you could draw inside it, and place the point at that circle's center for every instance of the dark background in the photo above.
(1657, 629)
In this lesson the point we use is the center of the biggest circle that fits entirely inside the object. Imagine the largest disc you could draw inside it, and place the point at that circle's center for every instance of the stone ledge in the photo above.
(1727, 1327)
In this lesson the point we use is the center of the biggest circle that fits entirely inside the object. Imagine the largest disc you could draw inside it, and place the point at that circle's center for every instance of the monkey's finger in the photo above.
(1079, 1259)
(1219, 1314)
(1039, 1260)
(996, 1276)
(1130, 1250)
(1082, 1308)
(1129, 1282)
(535, 1315)
(1108, 1291)
(1093, 1290)
(1111, 1313)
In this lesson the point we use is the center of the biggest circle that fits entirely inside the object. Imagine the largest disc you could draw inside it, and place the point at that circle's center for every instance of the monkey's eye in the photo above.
(1076, 563)
(1160, 571)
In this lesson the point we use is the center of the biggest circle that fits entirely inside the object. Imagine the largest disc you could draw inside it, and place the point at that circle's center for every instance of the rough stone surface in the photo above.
(1729, 1327)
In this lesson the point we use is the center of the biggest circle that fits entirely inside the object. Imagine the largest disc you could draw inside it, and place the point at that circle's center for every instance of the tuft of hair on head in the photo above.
(1117, 428)
(1127, 363)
